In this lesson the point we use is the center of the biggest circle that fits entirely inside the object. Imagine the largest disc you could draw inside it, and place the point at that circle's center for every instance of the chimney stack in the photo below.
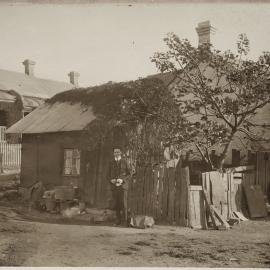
(29, 67)
(204, 30)
(74, 78)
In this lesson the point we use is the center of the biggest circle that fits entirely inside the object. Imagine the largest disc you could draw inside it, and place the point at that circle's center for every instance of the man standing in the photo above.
(118, 176)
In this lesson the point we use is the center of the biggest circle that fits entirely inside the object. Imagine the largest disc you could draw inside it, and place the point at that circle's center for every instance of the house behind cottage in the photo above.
(21, 93)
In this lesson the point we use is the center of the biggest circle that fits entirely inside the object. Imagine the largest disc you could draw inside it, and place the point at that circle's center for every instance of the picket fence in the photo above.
(10, 155)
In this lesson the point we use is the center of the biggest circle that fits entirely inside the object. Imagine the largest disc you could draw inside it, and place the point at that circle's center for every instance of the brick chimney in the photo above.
(204, 31)
(74, 78)
(29, 67)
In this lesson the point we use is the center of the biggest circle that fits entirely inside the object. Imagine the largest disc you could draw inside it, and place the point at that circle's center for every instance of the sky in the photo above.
(114, 42)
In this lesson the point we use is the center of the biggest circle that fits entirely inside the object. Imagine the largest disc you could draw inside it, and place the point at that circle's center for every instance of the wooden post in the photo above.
(1, 162)
(184, 197)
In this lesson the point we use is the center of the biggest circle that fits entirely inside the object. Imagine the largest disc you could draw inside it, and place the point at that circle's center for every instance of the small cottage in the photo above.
(58, 149)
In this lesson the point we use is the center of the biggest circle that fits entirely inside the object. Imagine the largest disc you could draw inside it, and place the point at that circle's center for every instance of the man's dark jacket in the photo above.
(119, 169)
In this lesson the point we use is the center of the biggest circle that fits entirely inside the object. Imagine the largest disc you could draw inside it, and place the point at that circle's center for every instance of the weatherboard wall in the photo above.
(43, 157)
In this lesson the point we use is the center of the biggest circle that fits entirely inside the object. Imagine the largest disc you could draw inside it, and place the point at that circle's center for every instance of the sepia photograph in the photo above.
(135, 133)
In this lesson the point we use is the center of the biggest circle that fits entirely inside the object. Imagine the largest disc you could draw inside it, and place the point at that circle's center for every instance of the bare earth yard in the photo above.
(31, 243)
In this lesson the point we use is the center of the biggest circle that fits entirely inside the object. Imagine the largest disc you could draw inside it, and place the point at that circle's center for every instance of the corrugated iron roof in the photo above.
(32, 102)
(31, 86)
(4, 96)
(57, 117)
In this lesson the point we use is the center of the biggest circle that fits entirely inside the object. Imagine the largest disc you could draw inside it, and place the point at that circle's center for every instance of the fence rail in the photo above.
(11, 155)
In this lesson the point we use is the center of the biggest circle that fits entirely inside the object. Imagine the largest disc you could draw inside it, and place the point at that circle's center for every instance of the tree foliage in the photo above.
(136, 115)
(217, 92)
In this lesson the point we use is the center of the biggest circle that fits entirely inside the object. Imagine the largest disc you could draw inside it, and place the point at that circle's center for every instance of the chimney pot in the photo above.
(29, 67)
(74, 78)
(204, 30)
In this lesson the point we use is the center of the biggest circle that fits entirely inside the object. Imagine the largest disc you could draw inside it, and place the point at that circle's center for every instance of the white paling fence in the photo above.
(11, 155)
(2, 133)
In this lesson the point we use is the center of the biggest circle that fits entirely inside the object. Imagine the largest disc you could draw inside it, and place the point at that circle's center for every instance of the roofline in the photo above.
(47, 132)
(34, 77)
(7, 100)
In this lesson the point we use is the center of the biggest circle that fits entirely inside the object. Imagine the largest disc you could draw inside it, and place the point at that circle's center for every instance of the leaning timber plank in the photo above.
(240, 216)
(203, 211)
(223, 221)
(211, 210)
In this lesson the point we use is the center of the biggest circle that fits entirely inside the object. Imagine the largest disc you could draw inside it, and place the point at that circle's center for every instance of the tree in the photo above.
(136, 115)
(218, 93)
(150, 118)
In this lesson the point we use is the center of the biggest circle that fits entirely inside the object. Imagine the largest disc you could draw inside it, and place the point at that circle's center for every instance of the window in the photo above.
(3, 118)
(72, 160)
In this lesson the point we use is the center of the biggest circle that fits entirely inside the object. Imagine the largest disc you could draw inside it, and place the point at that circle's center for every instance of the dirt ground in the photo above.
(40, 239)
(26, 242)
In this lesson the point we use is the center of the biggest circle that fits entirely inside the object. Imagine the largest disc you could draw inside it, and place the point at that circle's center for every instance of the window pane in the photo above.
(71, 162)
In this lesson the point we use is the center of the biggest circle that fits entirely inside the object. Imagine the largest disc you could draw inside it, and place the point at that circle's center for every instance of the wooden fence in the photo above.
(263, 172)
(161, 192)
(2, 133)
(11, 155)
(166, 194)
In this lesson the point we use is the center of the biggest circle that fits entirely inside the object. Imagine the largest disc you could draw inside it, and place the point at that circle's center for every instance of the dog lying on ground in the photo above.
(141, 222)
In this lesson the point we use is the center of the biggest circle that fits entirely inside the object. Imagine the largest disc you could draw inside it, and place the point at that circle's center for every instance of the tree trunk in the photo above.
(205, 157)
(224, 155)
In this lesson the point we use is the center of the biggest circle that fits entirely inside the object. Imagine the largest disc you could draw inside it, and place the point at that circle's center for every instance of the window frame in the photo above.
(72, 160)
